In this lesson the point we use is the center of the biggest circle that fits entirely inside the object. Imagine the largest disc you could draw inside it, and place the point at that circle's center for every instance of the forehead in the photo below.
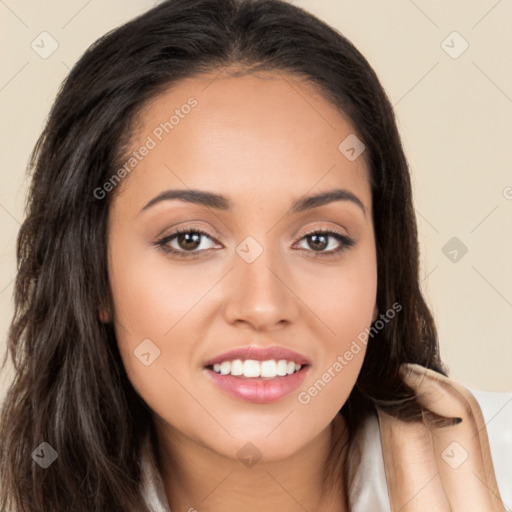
(242, 136)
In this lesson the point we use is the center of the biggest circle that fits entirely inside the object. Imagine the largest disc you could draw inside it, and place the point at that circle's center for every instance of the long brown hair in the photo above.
(70, 388)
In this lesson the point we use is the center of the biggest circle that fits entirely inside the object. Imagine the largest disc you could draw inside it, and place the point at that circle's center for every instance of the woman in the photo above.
(218, 283)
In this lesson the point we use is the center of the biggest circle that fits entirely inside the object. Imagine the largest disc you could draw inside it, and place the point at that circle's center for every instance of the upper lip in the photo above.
(259, 354)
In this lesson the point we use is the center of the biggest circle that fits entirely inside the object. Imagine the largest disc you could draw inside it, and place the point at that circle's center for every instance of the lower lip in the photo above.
(258, 390)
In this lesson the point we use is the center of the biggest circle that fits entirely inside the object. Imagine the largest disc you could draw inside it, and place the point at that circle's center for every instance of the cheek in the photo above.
(152, 295)
(145, 311)
(343, 299)
(343, 296)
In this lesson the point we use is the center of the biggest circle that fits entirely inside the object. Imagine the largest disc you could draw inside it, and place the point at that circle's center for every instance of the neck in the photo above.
(196, 478)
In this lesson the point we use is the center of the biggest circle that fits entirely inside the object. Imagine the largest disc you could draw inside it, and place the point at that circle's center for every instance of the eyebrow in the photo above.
(219, 202)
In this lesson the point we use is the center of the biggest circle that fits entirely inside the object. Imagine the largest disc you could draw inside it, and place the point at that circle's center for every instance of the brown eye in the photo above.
(319, 241)
(184, 242)
(189, 241)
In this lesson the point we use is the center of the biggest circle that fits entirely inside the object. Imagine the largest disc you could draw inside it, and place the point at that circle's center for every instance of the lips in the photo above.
(259, 354)
(258, 390)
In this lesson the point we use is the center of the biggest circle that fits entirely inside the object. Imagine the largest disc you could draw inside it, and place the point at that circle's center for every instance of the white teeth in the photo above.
(252, 368)
(225, 367)
(281, 367)
(237, 367)
(268, 368)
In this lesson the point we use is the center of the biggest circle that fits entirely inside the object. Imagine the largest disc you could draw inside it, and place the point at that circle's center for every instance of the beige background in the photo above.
(454, 114)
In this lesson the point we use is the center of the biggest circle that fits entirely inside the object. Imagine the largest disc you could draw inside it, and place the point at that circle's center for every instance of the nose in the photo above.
(261, 295)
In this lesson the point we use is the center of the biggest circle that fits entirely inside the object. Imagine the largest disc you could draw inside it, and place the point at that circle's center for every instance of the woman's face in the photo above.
(265, 143)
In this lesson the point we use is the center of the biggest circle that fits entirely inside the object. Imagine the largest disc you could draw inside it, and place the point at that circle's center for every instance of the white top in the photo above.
(369, 488)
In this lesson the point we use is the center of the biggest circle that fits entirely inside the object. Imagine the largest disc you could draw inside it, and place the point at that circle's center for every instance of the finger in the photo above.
(411, 471)
(462, 451)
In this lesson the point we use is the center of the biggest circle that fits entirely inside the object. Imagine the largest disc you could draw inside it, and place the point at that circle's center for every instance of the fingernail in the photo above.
(449, 422)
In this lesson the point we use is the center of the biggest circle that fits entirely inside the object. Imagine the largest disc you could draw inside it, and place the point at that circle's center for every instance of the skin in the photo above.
(444, 468)
(263, 141)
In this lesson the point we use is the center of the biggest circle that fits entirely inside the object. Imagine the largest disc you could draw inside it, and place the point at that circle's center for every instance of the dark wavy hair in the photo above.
(70, 388)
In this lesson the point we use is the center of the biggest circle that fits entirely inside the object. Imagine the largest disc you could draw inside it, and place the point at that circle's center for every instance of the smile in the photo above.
(251, 368)
(252, 386)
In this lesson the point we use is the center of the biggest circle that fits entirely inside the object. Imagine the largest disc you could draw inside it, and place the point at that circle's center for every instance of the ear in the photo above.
(375, 313)
(104, 316)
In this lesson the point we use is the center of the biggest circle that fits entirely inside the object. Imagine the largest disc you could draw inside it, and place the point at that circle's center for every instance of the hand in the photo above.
(432, 468)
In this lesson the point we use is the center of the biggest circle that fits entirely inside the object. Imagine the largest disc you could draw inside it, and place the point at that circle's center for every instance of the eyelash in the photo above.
(345, 242)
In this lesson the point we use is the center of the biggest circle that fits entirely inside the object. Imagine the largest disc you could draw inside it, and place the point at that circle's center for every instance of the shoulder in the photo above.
(152, 486)
(496, 409)
(366, 474)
